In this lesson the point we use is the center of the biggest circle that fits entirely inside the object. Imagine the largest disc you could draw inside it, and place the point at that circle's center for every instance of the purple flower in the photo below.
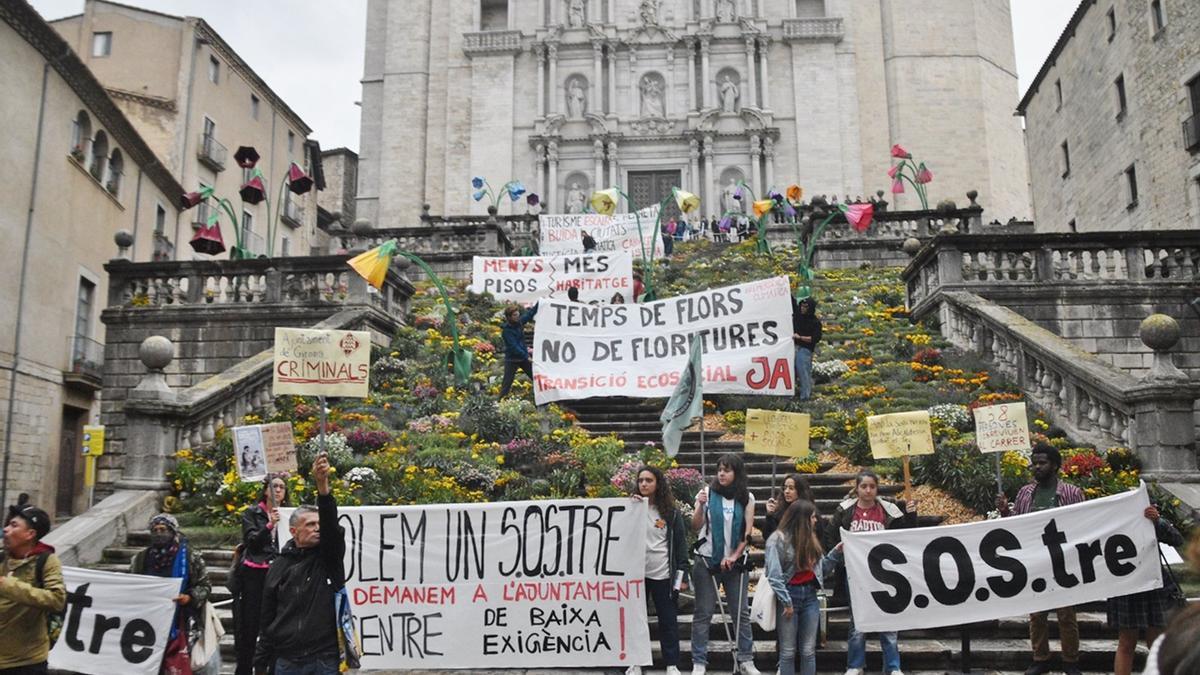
(777, 198)
(789, 210)
(725, 224)
(477, 182)
(532, 199)
(737, 194)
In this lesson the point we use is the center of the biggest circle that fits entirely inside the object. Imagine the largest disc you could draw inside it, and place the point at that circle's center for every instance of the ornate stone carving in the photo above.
(726, 11)
(653, 102)
(575, 199)
(649, 12)
(730, 95)
(576, 99)
(576, 13)
(651, 126)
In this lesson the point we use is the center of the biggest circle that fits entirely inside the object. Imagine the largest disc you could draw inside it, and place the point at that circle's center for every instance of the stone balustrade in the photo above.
(492, 42)
(1092, 400)
(821, 29)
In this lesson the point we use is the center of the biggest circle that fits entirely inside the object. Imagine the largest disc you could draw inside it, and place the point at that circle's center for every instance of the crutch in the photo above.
(725, 622)
(737, 620)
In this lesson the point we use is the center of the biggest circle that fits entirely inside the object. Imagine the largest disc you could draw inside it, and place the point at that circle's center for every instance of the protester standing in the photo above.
(260, 545)
(723, 517)
(299, 626)
(806, 333)
(31, 587)
(866, 511)
(170, 555)
(666, 560)
(516, 354)
(1046, 491)
(1146, 611)
(796, 568)
(589, 242)
(795, 487)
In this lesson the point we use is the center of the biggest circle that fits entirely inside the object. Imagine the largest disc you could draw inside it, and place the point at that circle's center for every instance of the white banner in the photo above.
(311, 362)
(562, 234)
(957, 574)
(598, 276)
(114, 623)
(640, 350)
(543, 584)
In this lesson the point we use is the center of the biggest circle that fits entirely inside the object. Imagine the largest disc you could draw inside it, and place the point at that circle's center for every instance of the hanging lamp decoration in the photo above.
(298, 181)
(246, 156)
(208, 239)
(254, 191)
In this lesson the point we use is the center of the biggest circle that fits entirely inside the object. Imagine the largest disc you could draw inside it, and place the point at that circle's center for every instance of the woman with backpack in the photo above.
(260, 545)
(796, 568)
(866, 511)
(666, 560)
(170, 555)
(723, 518)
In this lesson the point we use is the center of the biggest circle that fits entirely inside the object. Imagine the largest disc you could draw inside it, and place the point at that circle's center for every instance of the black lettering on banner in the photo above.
(933, 571)
(508, 529)
(103, 625)
(535, 569)
(495, 616)
(608, 539)
(383, 545)
(989, 548)
(1088, 552)
(408, 633)
(410, 536)
(79, 600)
(554, 351)
(891, 603)
(1117, 549)
(137, 641)
(1054, 540)
(464, 548)
(558, 541)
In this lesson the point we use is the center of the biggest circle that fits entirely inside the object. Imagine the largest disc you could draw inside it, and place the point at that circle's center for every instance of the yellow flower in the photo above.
(500, 459)
(762, 206)
(604, 202)
(686, 201)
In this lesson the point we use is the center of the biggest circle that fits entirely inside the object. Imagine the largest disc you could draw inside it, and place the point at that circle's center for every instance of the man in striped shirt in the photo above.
(1047, 492)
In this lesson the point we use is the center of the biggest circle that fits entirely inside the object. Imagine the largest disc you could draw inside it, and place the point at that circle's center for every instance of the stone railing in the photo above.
(830, 29)
(313, 280)
(1092, 400)
(972, 261)
(492, 42)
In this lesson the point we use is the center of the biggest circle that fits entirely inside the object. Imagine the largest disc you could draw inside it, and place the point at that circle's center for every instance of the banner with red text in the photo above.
(598, 276)
(312, 362)
(639, 350)
(545, 584)
(958, 574)
(562, 233)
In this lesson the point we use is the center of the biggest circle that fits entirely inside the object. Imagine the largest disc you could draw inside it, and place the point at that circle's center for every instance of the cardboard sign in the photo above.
(774, 432)
(259, 449)
(562, 234)
(114, 623)
(539, 584)
(1003, 427)
(322, 362)
(527, 279)
(279, 444)
(640, 350)
(900, 434)
(958, 574)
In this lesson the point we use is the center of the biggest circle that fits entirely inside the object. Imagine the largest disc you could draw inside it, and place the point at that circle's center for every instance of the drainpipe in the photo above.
(137, 202)
(187, 132)
(16, 358)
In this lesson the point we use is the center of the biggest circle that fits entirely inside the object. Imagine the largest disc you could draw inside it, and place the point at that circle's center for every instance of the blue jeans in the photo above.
(799, 630)
(316, 666)
(668, 618)
(804, 372)
(734, 584)
(856, 649)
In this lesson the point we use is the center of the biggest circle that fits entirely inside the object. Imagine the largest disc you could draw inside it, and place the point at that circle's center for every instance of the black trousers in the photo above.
(510, 371)
(247, 609)
(33, 669)
(662, 593)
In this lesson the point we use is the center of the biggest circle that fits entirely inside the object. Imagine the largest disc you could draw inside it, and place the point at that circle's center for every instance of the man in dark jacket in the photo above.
(299, 632)
(516, 354)
(806, 333)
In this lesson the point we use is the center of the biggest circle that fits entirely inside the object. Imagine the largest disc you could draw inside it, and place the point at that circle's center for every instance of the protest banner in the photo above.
(279, 445)
(545, 584)
(312, 362)
(529, 279)
(562, 234)
(778, 433)
(958, 574)
(114, 623)
(640, 350)
(1002, 427)
(259, 449)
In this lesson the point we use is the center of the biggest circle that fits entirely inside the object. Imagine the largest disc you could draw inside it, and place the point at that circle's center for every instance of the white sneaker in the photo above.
(854, 671)
(672, 670)
(699, 669)
(895, 672)
(633, 670)
(747, 668)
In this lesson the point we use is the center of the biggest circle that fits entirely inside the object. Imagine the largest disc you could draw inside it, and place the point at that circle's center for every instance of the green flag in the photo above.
(686, 402)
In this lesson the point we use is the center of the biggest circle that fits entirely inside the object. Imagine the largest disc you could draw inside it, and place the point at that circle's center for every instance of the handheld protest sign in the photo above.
(280, 447)
(1000, 428)
(778, 434)
(248, 454)
(901, 435)
(312, 362)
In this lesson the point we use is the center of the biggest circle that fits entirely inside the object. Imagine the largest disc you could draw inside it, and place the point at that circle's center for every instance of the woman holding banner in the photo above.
(723, 517)
(666, 561)
(796, 568)
(170, 555)
(866, 511)
(260, 545)
(1146, 611)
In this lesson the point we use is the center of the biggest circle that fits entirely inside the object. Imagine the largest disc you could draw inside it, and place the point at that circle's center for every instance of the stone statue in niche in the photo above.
(728, 203)
(649, 12)
(576, 100)
(726, 11)
(576, 13)
(652, 98)
(729, 94)
(575, 199)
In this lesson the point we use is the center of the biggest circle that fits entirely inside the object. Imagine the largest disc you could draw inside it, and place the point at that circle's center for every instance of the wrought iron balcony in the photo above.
(211, 153)
(86, 362)
(293, 212)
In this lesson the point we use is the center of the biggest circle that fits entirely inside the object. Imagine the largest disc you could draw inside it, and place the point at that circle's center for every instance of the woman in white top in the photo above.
(724, 517)
(666, 561)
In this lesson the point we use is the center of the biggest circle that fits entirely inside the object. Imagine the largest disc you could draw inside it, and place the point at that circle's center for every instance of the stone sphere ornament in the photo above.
(911, 246)
(1159, 332)
(156, 352)
(361, 227)
(123, 238)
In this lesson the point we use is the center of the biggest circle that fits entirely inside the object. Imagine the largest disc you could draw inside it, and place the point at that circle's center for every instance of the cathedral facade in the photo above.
(573, 95)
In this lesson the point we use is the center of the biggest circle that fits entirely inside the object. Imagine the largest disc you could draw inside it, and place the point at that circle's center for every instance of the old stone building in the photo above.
(195, 101)
(569, 95)
(1113, 119)
(76, 173)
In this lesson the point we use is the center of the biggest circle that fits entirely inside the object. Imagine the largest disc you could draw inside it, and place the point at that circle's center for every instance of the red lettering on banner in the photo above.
(416, 595)
(771, 377)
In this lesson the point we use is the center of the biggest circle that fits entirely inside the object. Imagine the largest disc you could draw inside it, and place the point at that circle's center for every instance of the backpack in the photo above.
(54, 620)
(233, 582)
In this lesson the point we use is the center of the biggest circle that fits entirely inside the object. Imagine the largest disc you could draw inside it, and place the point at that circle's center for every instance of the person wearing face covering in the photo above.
(170, 555)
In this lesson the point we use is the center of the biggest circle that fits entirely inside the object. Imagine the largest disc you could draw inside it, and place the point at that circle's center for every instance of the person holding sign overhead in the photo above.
(723, 517)
(666, 561)
(1046, 491)
(260, 545)
(866, 511)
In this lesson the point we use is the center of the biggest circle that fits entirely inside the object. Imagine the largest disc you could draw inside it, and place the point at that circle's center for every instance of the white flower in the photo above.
(361, 474)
